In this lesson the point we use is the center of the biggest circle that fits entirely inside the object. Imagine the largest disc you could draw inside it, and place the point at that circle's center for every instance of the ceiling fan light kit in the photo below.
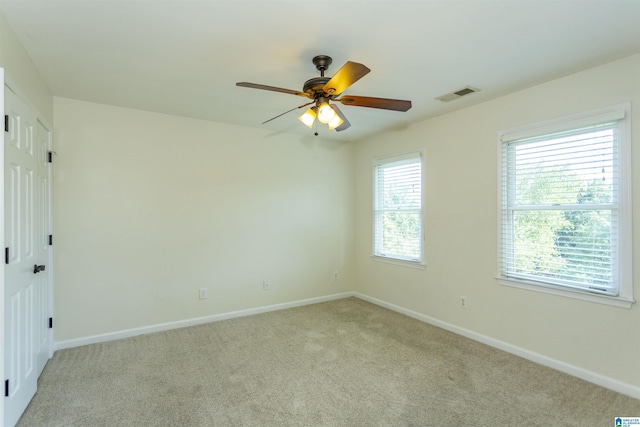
(325, 112)
(336, 120)
(309, 117)
(321, 90)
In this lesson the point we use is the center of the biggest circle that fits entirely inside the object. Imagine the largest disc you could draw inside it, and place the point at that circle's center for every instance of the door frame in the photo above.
(2, 373)
(6, 80)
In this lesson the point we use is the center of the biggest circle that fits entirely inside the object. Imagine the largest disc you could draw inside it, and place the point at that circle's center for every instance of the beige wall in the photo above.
(21, 70)
(461, 229)
(150, 208)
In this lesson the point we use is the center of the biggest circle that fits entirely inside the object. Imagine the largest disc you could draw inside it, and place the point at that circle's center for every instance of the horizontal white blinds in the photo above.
(561, 208)
(398, 207)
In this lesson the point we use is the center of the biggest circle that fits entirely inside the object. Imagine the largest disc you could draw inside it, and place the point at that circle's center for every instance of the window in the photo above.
(397, 207)
(565, 206)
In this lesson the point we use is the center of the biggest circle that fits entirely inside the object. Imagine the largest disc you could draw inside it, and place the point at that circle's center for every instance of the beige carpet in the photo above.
(341, 363)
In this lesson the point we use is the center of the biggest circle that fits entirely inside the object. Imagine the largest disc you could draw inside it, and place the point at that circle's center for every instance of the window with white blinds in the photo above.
(397, 208)
(565, 204)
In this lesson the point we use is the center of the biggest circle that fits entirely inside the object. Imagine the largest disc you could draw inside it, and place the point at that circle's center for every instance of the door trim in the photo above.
(2, 373)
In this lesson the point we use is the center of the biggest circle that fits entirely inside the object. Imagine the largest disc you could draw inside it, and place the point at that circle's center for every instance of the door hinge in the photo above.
(6, 255)
(50, 156)
(50, 322)
(6, 388)
(50, 239)
(6, 123)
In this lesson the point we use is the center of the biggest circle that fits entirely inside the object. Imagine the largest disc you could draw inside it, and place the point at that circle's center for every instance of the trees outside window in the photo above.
(398, 207)
(564, 213)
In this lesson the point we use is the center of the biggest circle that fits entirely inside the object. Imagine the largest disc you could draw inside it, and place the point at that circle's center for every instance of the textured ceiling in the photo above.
(184, 57)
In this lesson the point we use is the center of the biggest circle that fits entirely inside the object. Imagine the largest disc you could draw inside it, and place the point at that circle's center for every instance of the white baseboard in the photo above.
(592, 377)
(111, 336)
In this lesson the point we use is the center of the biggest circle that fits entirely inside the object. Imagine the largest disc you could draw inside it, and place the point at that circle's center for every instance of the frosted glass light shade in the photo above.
(308, 117)
(335, 122)
(325, 113)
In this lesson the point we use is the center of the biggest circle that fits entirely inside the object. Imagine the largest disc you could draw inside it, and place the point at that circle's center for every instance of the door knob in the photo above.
(38, 268)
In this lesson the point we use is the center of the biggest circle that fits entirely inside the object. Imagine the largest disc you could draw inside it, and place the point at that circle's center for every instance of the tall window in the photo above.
(398, 207)
(565, 208)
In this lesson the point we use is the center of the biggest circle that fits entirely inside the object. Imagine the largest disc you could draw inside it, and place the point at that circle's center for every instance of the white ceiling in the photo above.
(184, 57)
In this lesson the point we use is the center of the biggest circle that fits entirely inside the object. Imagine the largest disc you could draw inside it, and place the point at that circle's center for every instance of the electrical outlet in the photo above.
(204, 293)
(335, 275)
(266, 285)
(463, 301)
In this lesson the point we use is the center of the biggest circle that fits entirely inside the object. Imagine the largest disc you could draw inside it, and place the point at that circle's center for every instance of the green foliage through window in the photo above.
(398, 207)
(560, 208)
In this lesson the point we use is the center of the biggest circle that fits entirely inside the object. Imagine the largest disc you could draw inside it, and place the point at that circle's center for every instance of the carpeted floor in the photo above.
(341, 363)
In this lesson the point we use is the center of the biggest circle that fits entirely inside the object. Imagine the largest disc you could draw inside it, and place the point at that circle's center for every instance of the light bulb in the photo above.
(325, 113)
(308, 117)
(335, 122)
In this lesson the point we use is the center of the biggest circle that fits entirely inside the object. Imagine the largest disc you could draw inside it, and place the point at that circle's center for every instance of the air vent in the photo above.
(457, 94)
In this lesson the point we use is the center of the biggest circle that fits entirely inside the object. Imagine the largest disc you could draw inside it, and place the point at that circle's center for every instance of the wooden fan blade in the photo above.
(272, 88)
(350, 73)
(345, 123)
(383, 103)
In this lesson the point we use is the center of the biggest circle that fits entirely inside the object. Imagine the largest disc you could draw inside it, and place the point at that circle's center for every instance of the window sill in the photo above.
(411, 264)
(621, 302)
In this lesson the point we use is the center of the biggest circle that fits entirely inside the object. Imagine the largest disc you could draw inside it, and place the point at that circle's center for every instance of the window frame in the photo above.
(379, 161)
(622, 265)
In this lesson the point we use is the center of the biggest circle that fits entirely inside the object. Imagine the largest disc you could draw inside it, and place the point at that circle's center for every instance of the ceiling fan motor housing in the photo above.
(314, 86)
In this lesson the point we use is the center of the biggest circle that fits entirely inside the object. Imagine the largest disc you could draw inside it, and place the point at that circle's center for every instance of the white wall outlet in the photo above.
(463, 301)
(266, 285)
(335, 275)
(204, 293)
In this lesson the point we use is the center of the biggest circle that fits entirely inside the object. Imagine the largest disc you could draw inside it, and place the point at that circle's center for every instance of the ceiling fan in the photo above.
(321, 90)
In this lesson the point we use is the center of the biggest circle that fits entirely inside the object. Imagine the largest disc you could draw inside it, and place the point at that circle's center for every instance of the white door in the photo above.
(26, 285)
(44, 294)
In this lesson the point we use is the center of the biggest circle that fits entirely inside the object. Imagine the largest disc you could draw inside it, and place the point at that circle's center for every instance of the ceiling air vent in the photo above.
(457, 94)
